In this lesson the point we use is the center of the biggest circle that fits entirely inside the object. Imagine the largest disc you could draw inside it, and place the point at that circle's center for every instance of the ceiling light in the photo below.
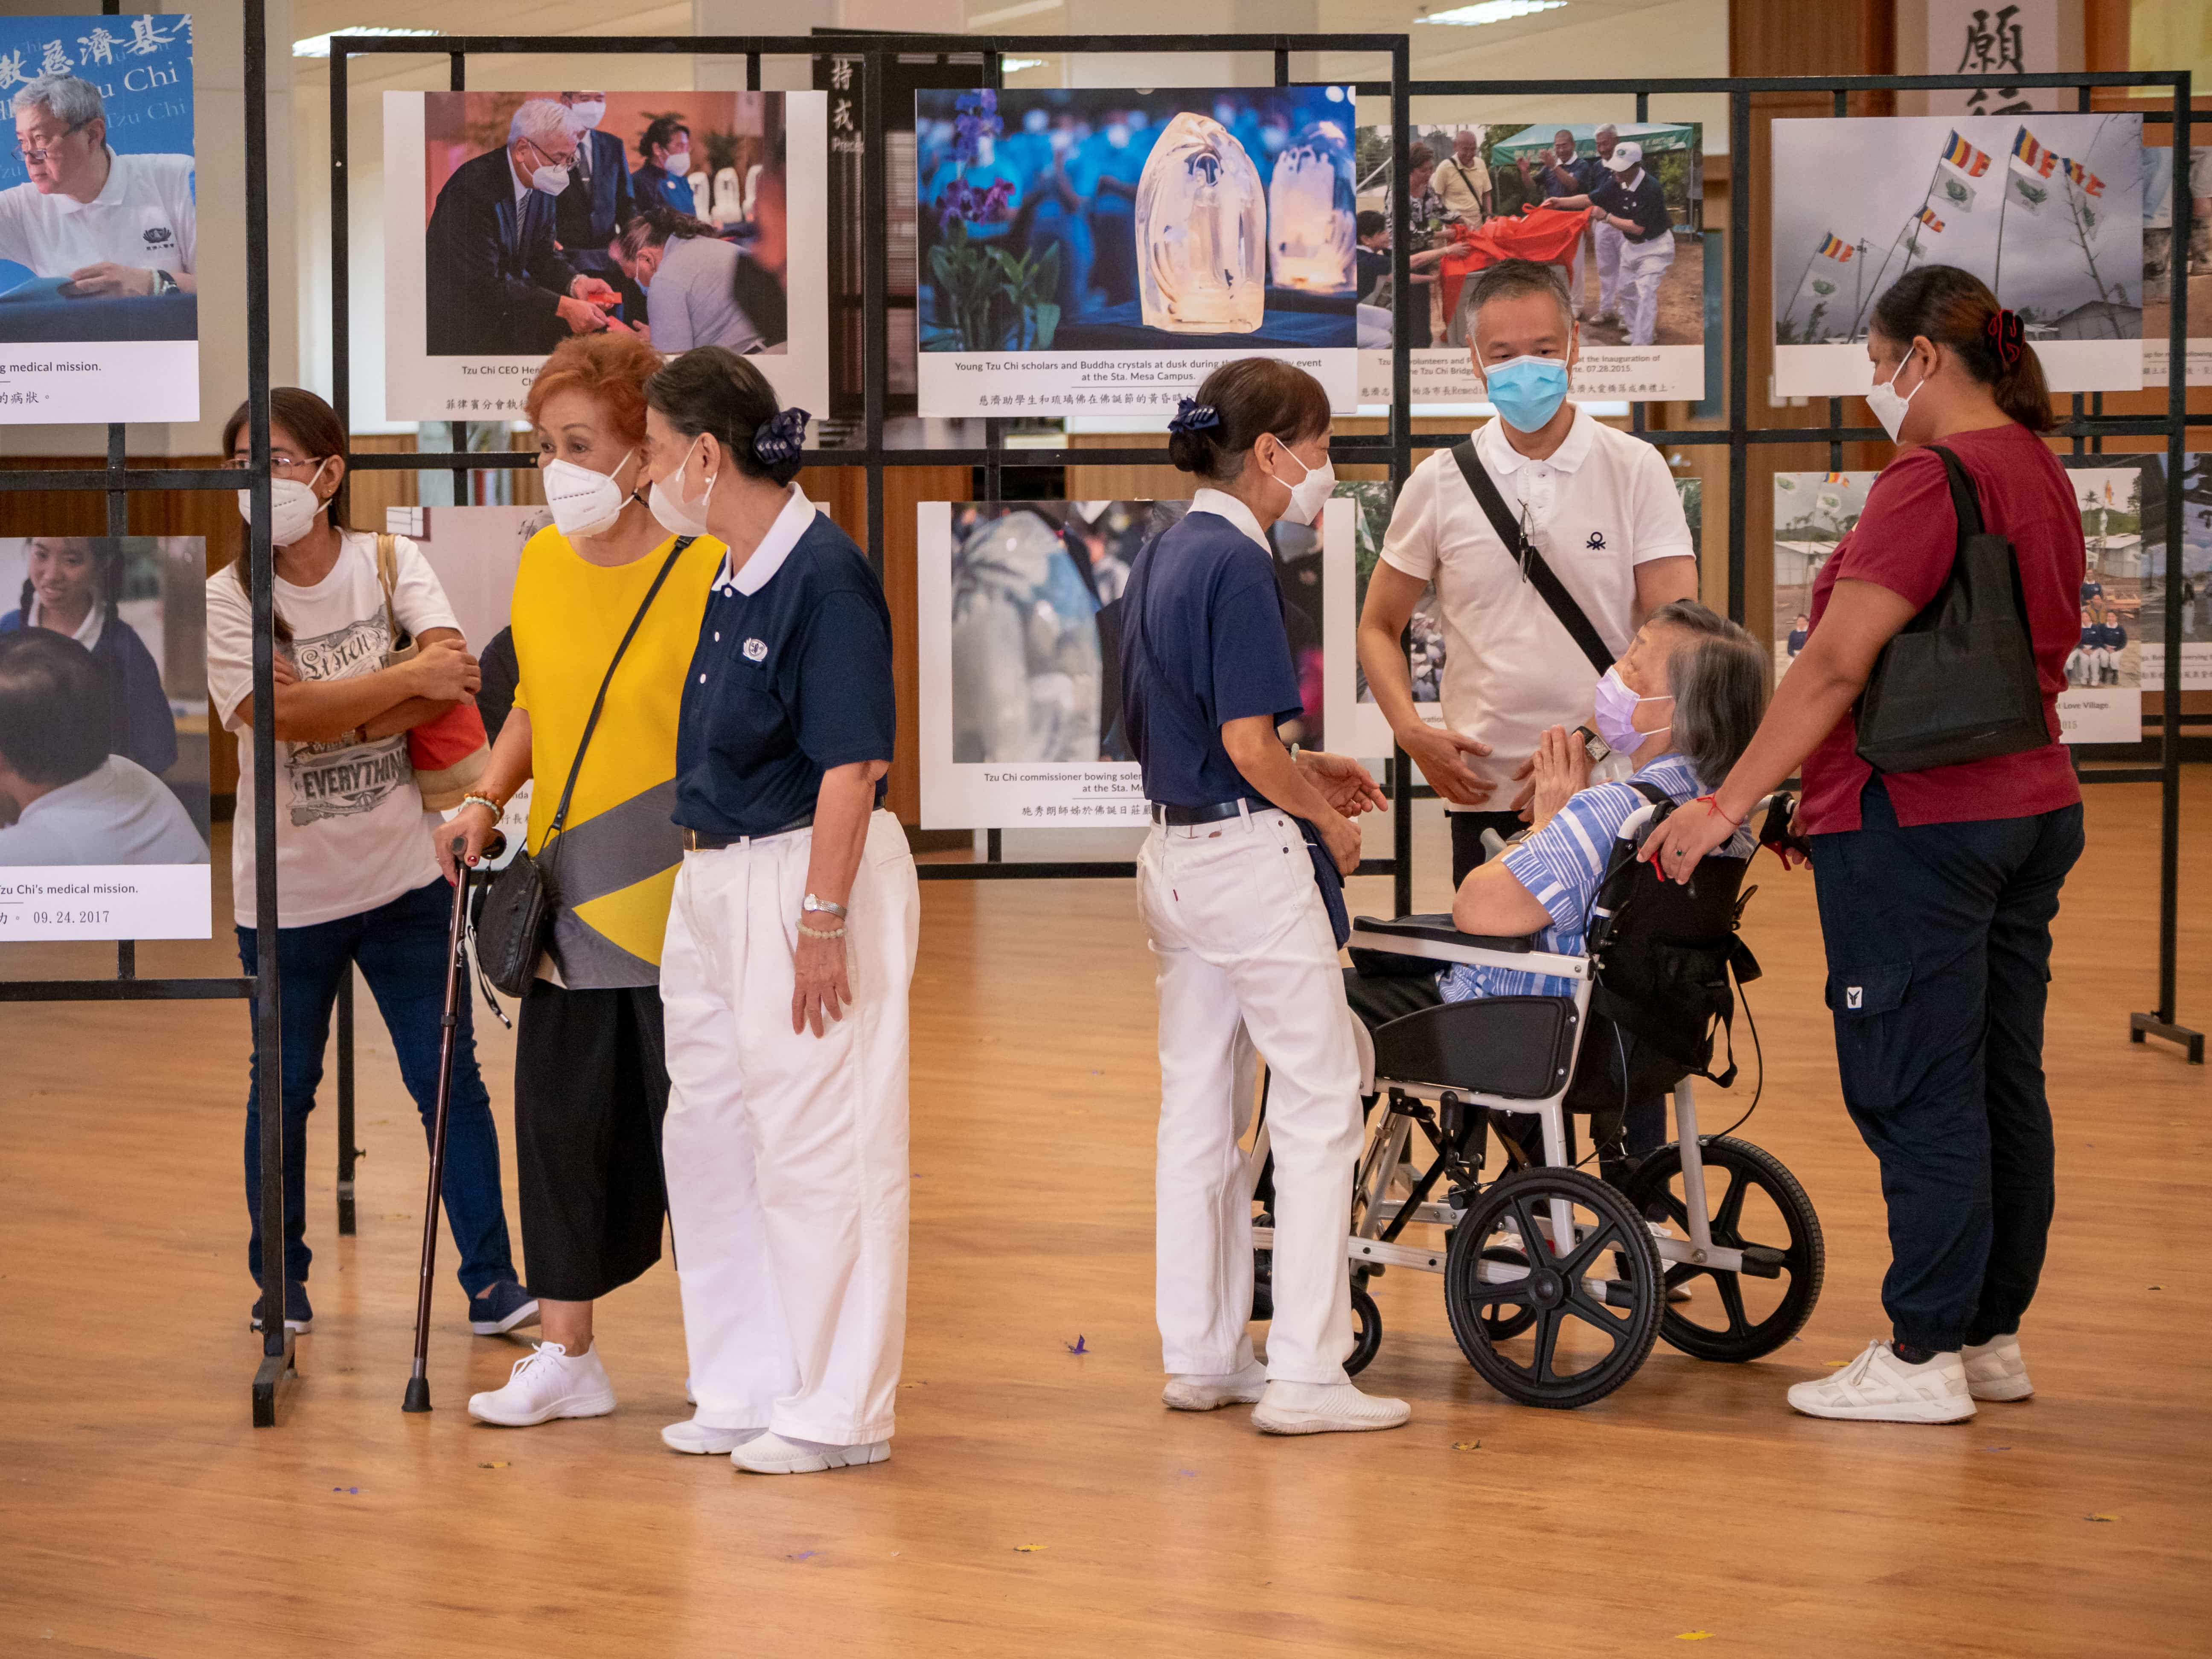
(1491, 11)
(319, 45)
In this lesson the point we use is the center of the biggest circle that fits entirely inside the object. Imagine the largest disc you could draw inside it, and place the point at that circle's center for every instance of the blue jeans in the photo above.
(401, 948)
(1939, 961)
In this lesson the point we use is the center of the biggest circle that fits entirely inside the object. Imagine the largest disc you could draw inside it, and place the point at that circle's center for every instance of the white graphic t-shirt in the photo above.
(351, 833)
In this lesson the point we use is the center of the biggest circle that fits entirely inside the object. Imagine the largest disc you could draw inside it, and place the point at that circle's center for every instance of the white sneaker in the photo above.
(1325, 1408)
(1210, 1394)
(547, 1383)
(1879, 1388)
(703, 1439)
(1680, 1293)
(1995, 1370)
(771, 1454)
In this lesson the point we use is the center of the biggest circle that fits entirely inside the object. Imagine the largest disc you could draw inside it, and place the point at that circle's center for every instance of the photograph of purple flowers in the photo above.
(1094, 251)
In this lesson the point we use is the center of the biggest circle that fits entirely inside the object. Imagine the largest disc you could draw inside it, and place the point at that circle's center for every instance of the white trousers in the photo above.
(1610, 242)
(1243, 946)
(786, 1154)
(1641, 266)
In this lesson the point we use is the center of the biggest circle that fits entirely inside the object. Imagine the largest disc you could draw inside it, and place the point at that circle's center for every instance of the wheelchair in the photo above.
(1558, 1283)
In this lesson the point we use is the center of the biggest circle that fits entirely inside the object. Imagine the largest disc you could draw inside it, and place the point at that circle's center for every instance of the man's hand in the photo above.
(1349, 788)
(1437, 751)
(581, 316)
(107, 278)
(1341, 836)
(595, 290)
(1560, 768)
(820, 990)
(444, 671)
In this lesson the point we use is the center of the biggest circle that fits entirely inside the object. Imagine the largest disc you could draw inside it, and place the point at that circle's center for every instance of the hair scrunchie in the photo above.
(2007, 334)
(1191, 416)
(783, 438)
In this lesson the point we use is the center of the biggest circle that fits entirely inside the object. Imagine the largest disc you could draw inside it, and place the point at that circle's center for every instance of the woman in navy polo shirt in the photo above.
(1936, 887)
(790, 948)
(1227, 888)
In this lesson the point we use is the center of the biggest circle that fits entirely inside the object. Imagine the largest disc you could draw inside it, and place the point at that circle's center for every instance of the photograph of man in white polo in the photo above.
(1629, 201)
(1583, 537)
(108, 224)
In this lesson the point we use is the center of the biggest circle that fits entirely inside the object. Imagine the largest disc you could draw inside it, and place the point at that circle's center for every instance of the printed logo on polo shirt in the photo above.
(756, 650)
(1596, 542)
(159, 234)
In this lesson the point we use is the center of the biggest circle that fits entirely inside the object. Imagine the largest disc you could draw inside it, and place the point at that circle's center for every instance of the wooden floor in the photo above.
(1042, 1502)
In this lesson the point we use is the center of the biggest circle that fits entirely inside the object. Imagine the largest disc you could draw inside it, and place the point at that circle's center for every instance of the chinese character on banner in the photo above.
(840, 75)
(1997, 39)
(11, 70)
(56, 62)
(99, 46)
(842, 119)
(147, 37)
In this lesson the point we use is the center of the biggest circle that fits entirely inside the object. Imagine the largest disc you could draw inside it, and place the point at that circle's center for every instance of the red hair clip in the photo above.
(2007, 336)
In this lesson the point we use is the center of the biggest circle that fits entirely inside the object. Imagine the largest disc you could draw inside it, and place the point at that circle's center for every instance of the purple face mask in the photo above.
(1615, 713)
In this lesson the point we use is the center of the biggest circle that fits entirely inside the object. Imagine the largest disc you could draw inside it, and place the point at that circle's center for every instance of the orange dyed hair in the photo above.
(609, 368)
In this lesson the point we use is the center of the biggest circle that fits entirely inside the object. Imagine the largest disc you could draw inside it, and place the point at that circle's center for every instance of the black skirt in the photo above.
(590, 1089)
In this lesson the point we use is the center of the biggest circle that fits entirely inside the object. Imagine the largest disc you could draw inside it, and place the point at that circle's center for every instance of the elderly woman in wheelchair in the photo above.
(1569, 979)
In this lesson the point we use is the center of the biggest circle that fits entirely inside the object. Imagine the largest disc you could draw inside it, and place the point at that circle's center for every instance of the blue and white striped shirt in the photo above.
(1562, 865)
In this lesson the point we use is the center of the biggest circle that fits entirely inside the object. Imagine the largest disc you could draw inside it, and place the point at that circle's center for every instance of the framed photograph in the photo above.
(513, 221)
(99, 310)
(1021, 635)
(1628, 239)
(103, 739)
(2196, 570)
(2047, 209)
(1085, 250)
(2162, 258)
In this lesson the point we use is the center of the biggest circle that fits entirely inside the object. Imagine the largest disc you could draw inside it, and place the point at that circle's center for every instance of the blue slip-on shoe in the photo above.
(502, 1308)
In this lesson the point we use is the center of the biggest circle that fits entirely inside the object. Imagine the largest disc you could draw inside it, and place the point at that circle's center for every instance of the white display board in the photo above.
(425, 132)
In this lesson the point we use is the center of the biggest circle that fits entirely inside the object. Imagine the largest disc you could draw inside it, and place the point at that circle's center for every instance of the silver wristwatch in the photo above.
(811, 904)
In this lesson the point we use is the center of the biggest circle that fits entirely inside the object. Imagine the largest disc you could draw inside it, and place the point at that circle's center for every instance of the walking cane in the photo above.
(456, 963)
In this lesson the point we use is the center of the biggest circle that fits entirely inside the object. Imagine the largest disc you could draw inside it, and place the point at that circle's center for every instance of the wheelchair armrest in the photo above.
(1434, 930)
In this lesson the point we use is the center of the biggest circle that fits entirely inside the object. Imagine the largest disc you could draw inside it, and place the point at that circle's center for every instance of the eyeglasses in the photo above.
(277, 458)
(37, 157)
(568, 160)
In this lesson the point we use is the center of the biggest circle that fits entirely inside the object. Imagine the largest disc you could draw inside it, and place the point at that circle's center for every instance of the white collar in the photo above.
(1499, 455)
(111, 193)
(1223, 505)
(794, 521)
(87, 634)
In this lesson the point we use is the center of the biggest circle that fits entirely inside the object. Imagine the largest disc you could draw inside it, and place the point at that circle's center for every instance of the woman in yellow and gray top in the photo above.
(591, 1084)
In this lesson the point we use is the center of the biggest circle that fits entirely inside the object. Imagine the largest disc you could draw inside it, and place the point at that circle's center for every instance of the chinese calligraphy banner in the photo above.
(1634, 264)
(1020, 632)
(98, 310)
(1088, 252)
(1975, 37)
(105, 639)
(513, 221)
(2047, 210)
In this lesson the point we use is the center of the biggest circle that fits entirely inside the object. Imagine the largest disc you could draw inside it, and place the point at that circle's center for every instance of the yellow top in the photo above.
(614, 863)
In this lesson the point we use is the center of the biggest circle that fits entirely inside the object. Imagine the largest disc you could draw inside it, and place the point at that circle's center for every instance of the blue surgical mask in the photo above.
(1527, 392)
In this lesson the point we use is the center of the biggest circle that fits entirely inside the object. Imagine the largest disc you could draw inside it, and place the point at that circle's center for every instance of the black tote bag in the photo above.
(1957, 683)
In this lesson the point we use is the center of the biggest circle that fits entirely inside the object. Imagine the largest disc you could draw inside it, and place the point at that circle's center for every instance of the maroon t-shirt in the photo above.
(1905, 541)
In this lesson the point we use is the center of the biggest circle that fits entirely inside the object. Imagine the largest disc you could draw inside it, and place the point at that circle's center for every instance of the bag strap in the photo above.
(600, 702)
(387, 577)
(1964, 502)
(1548, 586)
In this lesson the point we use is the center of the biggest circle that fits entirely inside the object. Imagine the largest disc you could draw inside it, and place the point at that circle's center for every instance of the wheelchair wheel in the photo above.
(1367, 1330)
(1755, 1204)
(1576, 1339)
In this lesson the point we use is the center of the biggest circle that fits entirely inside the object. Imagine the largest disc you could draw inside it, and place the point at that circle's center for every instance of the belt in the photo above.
(703, 841)
(1182, 816)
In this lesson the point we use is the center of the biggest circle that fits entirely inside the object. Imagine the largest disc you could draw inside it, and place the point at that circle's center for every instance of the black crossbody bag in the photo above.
(1957, 683)
(1541, 575)
(518, 911)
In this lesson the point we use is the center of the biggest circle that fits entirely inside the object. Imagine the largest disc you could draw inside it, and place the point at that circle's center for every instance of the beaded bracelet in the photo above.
(489, 805)
(820, 932)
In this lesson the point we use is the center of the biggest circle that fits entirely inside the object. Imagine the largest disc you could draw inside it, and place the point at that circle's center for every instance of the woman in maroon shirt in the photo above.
(1936, 887)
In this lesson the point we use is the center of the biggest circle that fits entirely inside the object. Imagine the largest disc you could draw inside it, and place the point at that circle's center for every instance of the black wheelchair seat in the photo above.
(1516, 1047)
(1438, 929)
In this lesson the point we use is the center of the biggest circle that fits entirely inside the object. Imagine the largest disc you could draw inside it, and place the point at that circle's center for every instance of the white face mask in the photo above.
(293, 507)
(678, 163)
(584, 502)
(1309, 493)
(678, 517)
(589, 115)
(1888, 407)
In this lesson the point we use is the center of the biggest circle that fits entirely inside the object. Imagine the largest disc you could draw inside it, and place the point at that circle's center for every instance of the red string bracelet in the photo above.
(1713, 806)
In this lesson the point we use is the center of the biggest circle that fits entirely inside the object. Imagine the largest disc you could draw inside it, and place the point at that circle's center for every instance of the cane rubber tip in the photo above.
(418, 1394)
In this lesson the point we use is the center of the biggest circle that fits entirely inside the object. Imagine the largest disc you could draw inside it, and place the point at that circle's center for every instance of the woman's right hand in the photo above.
(1341, 836)
(471, 826)
(444, 671)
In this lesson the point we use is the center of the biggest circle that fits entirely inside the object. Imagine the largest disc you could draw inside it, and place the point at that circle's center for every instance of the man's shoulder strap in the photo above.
(1524, 553)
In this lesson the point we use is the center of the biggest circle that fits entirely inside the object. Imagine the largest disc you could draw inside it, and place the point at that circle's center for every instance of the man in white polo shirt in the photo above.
(111, 224)
(1599, 511)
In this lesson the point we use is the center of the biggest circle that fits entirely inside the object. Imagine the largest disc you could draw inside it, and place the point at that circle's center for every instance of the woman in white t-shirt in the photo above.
(356, 880)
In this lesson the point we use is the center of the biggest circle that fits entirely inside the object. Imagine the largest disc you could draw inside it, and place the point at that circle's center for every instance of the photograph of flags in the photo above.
(1959, 153)
(1929, 219)
(1955, 193)
(1834, 478)
(1839, 251)
(2031, 157)
(2090, 183)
